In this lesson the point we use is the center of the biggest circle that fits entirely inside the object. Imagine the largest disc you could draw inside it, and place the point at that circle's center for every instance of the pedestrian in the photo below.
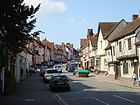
(134, 77)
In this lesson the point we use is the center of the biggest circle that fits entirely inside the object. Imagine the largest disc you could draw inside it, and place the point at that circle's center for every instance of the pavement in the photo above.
(30, 91)
(126, 82)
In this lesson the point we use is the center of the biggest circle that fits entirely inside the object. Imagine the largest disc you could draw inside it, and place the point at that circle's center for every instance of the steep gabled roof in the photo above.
(93, 40)
(83, 42)
(106, 27)
(75, 52)
(129, 29)
(108, 46)
(60, 47)
(114, 27)
(49, 44)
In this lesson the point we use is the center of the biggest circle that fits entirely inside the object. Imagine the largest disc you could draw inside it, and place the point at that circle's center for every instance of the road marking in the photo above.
(77, 98)
(60, 100)
(29, 100)
(90, 89)
(124, 98)
(99, 100)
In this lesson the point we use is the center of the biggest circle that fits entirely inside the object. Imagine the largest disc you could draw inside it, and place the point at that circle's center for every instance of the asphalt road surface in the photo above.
(84, 91)
(87, 91)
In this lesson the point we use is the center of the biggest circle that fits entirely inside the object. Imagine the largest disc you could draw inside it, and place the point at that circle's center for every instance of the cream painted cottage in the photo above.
(124, 44)
(110, 49)
(103, 29)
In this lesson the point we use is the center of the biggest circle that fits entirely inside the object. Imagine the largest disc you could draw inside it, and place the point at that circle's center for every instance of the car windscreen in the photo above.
(52, 71)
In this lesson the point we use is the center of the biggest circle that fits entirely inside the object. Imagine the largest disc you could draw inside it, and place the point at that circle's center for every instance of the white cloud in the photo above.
(49, 5)
(56, 6)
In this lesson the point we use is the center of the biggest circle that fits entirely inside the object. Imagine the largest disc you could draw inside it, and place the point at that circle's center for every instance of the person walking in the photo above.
(134, 77)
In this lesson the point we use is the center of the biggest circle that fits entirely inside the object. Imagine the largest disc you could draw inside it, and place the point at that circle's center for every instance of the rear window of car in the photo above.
(60, 78)
(52, 71)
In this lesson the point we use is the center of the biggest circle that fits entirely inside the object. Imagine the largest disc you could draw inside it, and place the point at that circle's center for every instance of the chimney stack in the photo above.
(89, 32)
(134, 17)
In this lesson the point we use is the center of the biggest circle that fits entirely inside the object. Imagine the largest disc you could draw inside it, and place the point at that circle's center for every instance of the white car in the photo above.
(58, 67)
(49, 73)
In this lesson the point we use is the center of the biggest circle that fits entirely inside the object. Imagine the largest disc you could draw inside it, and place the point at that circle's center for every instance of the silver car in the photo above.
(49, 73)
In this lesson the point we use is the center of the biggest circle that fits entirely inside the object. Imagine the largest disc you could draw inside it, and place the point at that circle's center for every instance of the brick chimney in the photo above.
(89, 32)
(70, 45)
(134, 17)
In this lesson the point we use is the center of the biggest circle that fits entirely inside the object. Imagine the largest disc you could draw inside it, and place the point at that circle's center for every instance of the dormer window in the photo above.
(129, 44)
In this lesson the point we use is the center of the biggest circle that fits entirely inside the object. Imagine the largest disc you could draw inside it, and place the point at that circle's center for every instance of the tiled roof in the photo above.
(93, 40)
(108, 46)
(69, 45)
(83, 42)
(60, 47)
(49, 44)
(130, 28)
(75, 52)
(117, 23)
(106, 27)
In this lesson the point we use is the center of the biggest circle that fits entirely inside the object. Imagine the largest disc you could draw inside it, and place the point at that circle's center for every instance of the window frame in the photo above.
(129, 43)
(120, 46)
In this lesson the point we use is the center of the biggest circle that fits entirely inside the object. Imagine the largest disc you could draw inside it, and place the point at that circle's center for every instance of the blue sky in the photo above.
(68, 20)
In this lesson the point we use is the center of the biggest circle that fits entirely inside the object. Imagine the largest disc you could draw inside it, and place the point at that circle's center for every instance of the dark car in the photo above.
(71, 67)
(43, 69)
(49, 73)
(60, 82)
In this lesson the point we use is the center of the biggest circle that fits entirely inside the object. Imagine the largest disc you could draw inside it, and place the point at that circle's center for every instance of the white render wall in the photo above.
(101, 51)
(100, 48)
(125, 51)
(111, 69)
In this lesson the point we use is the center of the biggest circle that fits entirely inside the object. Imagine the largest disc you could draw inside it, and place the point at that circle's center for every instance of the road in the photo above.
(84, 91)
(87, 91)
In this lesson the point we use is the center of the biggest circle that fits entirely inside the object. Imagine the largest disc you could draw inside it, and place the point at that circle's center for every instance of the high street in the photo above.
(33, 91)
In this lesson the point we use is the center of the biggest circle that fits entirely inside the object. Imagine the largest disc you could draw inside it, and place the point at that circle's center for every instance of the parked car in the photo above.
(60, 82)
(71, 67)
(81, 73)
(58, 67)
(49, 73)
(43, 69)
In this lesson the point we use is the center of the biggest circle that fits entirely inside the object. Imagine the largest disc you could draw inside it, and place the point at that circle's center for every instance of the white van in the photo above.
(58, 67)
